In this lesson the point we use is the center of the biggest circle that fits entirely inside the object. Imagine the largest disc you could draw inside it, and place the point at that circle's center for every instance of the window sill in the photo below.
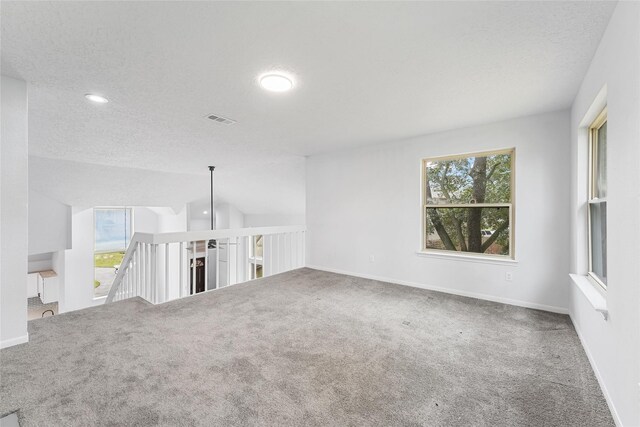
(593, 295)
(467, 258)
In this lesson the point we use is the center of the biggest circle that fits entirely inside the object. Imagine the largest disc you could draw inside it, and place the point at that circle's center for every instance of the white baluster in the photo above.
(247, 267)
(297, 239)
(300, 246)
(228, 261)
(181, 269)
(126, 288)
(285, 252)
(154, 275)
(145, 271)
(290, 254)
(144, 256)
(270, 254)
(254, 248)
(294, 250)
(133, 271)
(206, 264)
(138, 271)
(237, 241)
(215, 285)
(166, 272)
(193, 270)
(279, 268)
(304, 249)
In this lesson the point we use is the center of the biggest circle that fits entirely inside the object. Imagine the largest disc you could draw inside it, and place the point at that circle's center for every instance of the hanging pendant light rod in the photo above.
(211, 169)
(212, 242)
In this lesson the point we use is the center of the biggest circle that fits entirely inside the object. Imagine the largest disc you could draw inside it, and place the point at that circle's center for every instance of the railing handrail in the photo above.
(126, 260)
(193, 236)
(152, 240)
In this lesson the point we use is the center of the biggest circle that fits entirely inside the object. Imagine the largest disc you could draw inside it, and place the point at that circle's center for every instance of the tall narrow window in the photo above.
(112, 229)
(468, 203)
(598, 199)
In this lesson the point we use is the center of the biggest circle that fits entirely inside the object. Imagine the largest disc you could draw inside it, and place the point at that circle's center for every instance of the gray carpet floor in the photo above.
(303, 348)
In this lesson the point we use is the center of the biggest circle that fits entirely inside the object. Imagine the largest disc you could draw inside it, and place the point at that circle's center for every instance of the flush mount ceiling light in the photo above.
(276, 82)
(205, 212)
(96, 98)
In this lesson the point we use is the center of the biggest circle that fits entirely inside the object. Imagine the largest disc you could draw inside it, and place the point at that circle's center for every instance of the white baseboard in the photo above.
(518, 303)
(603, 387)
(14, 341)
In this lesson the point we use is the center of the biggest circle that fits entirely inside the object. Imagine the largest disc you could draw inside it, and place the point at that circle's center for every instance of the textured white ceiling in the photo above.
(84, 184)
(364, 72)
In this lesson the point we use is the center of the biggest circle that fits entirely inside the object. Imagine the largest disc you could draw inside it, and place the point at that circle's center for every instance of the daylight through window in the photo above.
(598, 200)
(112, 228)
(468, 203)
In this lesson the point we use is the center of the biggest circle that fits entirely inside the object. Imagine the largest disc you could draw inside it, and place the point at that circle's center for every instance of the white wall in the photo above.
(196, 217)
(367, 202)
(76, 291)
(144, 220)
(169, 220)
(49, 224)
(228, 217)
(40, 262)
(199, 224)
(14, 212)
(613, 345)
(260, 220)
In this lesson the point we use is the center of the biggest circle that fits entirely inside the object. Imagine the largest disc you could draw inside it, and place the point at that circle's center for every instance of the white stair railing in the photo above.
(160, 267)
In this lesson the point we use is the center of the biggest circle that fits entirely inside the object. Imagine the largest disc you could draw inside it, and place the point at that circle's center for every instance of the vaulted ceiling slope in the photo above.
(363, 72)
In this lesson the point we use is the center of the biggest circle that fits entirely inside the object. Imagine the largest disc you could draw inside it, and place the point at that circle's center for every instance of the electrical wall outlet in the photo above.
(508, 276)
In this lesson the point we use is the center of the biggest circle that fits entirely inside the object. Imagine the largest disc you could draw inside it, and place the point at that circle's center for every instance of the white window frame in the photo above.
(599, 121)
(131, 214)
(424, 206)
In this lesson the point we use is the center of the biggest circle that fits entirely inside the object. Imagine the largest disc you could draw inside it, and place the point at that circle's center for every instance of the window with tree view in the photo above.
(468, 203)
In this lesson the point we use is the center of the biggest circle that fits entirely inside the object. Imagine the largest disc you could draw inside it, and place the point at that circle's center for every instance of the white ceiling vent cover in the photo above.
(220, 119)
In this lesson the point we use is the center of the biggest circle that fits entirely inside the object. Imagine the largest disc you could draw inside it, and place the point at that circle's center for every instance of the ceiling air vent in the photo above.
(220, 119)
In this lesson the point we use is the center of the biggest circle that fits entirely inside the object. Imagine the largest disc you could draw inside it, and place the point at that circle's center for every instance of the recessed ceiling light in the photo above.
(205, 212)
(275, 82)
(96, 98)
